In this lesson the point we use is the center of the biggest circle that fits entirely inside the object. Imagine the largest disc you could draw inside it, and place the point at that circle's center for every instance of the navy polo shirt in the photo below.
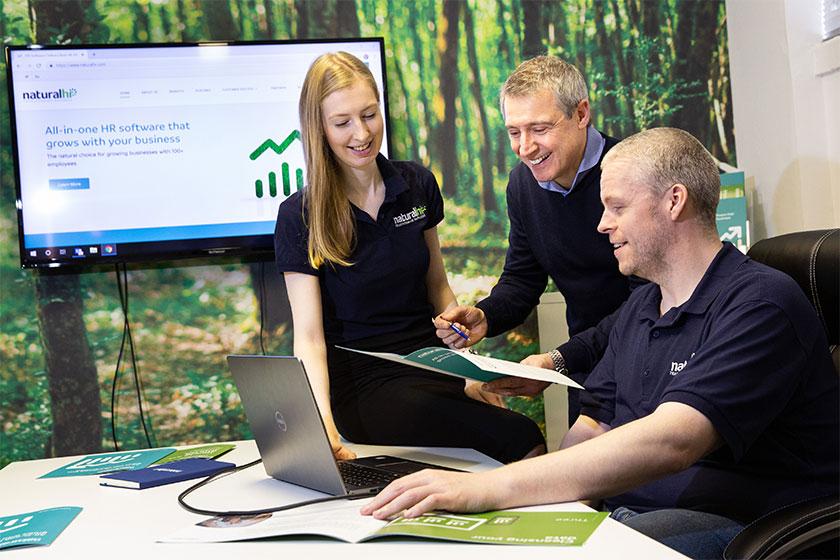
(384, 291)
(747, 351)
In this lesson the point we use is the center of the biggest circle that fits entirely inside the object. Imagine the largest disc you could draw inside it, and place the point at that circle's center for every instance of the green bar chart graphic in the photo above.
(272, 184)
(287, 187)
(285, 169)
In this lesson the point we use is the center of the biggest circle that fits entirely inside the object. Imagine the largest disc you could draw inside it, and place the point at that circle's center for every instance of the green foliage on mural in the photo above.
(648, 63)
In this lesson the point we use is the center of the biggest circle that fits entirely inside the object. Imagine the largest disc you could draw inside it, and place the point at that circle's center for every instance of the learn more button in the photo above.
(69, 184)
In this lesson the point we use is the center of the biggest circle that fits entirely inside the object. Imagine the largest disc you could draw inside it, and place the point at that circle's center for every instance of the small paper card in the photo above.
(110, 462)
(203, 452)
(36, 528)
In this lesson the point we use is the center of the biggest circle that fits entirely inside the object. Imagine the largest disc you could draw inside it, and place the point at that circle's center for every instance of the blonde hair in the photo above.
(332, 233)
(546, 73)
(663, 157)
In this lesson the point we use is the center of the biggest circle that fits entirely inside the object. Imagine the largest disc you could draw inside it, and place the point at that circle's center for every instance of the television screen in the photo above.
(128, 153)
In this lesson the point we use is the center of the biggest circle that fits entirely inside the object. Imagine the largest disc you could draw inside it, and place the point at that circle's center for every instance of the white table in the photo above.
(124, 524)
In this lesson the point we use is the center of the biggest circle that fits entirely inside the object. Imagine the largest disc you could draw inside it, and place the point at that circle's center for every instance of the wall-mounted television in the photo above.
(149, 152)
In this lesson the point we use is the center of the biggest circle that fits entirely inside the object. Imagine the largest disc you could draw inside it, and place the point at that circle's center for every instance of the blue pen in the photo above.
(459, 332)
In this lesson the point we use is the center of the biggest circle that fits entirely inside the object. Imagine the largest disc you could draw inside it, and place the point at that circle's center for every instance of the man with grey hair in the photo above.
(716, 400)
(553, 206)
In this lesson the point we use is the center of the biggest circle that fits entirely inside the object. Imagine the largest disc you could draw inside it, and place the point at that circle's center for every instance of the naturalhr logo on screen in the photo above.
(282, 149)
(61, 93)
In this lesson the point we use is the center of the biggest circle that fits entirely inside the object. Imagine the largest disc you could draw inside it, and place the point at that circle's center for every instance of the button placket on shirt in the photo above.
(648, 380)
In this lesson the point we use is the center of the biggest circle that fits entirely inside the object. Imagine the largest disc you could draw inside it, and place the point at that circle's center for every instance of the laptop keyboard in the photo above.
(359, 476)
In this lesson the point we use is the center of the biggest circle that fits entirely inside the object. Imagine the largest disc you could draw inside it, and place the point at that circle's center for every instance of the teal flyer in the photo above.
(110, 462)
(36, 528)
(732, 222)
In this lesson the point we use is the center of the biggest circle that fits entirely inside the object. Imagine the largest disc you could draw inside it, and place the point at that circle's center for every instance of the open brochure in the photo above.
(470, 366)
(341, 520)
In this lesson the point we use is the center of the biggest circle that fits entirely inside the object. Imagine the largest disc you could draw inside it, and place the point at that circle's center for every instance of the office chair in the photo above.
(811, 528)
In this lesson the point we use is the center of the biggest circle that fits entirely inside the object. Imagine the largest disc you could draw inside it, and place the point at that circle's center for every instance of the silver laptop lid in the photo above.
(284, 418)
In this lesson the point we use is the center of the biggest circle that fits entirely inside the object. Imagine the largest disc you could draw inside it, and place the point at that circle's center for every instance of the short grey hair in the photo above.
(546, 73)
(664, 157)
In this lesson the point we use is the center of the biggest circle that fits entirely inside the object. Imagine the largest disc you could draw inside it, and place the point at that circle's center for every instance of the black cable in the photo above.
(123, 291)
(232, 470)
(115, 381)
(263, 306)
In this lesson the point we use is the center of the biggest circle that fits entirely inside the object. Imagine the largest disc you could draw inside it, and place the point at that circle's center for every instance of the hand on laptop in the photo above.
(429, 490)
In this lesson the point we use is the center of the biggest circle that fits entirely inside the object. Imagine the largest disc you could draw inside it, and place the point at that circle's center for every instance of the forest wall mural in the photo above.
(647, 62)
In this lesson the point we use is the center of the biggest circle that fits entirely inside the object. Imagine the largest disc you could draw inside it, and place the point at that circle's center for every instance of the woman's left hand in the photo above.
(473, 389)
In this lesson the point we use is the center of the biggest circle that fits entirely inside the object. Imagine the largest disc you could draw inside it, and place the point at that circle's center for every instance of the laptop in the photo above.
(290, 433)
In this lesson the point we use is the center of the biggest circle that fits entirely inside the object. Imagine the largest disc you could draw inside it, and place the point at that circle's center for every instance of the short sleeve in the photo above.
(434, 200)
(744, 375)
(291, 237)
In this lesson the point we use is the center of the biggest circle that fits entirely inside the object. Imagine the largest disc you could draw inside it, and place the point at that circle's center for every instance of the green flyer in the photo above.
(203, 452)
(543, 528)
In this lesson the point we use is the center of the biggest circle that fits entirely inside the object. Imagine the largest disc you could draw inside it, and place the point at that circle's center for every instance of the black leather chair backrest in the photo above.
(812, 258)
(811, 528)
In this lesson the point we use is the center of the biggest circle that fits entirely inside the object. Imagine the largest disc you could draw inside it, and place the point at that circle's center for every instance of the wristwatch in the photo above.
(559, 362)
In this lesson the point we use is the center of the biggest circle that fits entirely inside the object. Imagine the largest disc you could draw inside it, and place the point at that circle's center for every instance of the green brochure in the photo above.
(470, 366)
(110, 462)
(35, 528)
(543, 528)
(203, 452)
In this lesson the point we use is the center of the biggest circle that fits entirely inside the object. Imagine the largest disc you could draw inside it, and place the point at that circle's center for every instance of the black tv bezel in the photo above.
(252, 247)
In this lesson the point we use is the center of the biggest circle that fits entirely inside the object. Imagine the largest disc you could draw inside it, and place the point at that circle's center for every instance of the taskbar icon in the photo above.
(72, 252)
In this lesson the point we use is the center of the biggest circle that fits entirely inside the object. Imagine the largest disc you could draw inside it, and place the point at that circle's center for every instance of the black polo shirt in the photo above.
(384, 291)
(747, 351)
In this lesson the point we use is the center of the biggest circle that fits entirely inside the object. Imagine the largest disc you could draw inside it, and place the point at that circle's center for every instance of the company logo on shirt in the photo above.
(417, 213)
(677, 367)
(61, 93)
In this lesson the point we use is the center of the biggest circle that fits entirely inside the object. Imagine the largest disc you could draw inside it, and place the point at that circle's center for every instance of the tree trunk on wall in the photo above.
(411, 143)
(608, 104)
(532, 40)
(270, 28)
(65, 20)
(71, 371)
(488, 196)
(347, 19)
(270, 291)
(695, 44)
(301, 7)
(74, 388)
(506, 48)
(182, 20)
(625, 73)
(142, 30)
(220, 23)
(448, 51)
(431, 154)
(316, 18)
(242, 12)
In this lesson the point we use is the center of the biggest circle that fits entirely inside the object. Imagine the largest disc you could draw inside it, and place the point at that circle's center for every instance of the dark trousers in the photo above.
(375, 401)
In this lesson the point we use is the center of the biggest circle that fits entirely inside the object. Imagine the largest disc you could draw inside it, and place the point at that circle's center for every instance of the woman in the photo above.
(359, 251)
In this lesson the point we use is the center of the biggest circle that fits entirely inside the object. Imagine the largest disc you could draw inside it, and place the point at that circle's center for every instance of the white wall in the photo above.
(787, 117)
